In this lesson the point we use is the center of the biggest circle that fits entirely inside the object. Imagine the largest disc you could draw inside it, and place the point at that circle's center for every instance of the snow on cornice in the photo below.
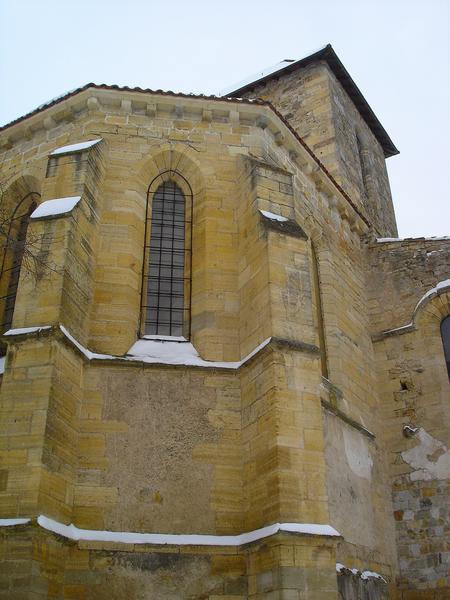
(55, 207)
(129, 537)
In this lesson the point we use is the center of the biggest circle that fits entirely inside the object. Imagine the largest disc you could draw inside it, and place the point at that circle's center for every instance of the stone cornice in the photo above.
(258, 113)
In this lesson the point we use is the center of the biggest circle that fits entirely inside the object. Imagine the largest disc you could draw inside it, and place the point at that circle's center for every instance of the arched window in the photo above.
(166, 286)
(445, 334)
(13, 232)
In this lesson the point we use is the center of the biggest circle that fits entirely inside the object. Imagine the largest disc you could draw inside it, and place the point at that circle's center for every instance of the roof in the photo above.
(342, 75)
(104, 86)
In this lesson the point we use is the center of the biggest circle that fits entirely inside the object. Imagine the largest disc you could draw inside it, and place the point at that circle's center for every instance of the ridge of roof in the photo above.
(328, 54)
(251, 101)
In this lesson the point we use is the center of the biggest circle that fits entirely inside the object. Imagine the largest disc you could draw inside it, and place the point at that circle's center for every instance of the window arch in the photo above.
(445, 335)
(166, 273)
(13, 233)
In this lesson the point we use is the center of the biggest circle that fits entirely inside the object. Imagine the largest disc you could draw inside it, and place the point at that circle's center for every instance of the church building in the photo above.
(223, 374)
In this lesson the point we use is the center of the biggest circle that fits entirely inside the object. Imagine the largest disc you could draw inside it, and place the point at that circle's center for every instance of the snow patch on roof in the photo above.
(272, 216)
(58, 206)
(128, 537)
(25, 330)
(70, 149)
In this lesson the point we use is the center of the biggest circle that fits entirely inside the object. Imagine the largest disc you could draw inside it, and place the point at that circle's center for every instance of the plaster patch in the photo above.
(430, 459)
(357, 454)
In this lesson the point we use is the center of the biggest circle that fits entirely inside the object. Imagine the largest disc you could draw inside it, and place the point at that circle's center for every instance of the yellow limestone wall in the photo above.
(125, 446)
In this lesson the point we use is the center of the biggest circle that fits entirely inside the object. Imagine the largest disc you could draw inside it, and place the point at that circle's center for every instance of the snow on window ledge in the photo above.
(129, 537)
(165, 338)
(55, 207)
(72, 148)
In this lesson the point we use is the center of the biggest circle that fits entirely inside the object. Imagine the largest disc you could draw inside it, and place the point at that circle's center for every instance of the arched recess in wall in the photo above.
(179, 164)
(167, 264)
(17, 204)
(432, 318)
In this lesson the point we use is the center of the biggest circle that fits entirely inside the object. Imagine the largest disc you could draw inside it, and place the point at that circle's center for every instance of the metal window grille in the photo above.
(11, 262)
(445, 334)
(166, 286)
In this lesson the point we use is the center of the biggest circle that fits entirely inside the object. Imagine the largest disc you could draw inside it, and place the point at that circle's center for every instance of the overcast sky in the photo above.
(397, 51)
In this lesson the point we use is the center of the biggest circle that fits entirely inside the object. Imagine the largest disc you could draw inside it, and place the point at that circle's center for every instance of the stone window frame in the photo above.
(163, 178)
(13, 252)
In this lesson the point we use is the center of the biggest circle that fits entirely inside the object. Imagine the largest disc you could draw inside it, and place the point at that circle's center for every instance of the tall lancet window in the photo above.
(166, 298)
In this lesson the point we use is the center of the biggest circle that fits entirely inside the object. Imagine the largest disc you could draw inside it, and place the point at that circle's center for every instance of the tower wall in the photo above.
(319, 109)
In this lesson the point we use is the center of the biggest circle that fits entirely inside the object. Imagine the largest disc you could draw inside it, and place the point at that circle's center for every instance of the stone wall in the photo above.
(115, 444)
(414, 389)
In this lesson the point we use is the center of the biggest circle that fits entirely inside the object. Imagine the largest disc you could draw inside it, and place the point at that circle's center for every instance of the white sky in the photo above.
(397, 51)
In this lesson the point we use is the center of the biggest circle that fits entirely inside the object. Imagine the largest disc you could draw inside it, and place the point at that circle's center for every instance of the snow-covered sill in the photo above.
(343, 570)
(128, 537)
(157, 352)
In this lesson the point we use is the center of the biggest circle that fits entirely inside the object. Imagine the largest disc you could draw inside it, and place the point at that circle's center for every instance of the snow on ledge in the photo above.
(12, 522)
(25, 330)
(163, 352)
(165, 338)
(2, 364)
(411, 239)
(272, 216)
(340, 568)
(72, 148)
(58, 206)
(181, 353)
(439, 288)
(128, 537)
